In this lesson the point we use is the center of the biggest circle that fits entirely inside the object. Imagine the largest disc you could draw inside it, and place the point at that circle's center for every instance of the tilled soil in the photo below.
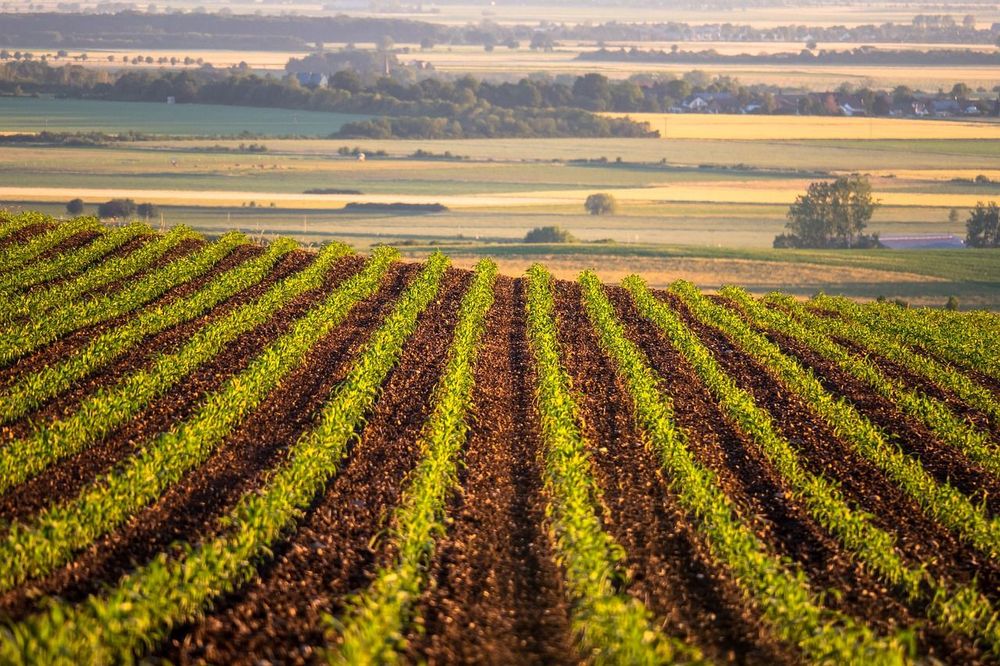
(74, 242)
(142, 354)
(759, 489)
(339, 545)
(48, 354)
(494, 594)
(25, 234)
(672, 571)
(65, 479)
(822, 452)
(188, 510)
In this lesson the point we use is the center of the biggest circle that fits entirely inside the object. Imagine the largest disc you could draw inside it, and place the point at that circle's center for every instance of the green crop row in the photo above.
(10, 223)
(31, 390)
(948, 336)
(376, 619)
(783, 594)
(16, 256)
(940, 501)
(49, 539)
(109, 407)
(613, 627)
(72, 316)
(113, 626)
(894, 348)
(962, 609)
(36, 304)
(936, 415)
(70, 263)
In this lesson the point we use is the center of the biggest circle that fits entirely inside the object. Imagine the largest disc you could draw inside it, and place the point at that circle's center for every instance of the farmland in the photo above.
(226, 451)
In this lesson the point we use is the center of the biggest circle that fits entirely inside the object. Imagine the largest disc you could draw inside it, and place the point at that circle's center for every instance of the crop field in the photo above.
(228, 452)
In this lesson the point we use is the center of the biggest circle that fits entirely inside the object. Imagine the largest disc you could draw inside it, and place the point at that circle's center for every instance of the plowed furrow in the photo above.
(335, 550)
(495, 594)
(672, 571)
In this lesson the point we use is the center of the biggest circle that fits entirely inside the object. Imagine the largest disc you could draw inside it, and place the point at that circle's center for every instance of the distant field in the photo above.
(790, 128)
(36, 114)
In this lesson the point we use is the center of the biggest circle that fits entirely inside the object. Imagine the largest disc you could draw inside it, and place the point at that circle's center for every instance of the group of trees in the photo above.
(120, 209)
(831, 214)
(983, 226)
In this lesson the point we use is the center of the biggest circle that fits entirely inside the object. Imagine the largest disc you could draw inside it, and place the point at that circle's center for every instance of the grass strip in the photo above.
(49, 539)
(37, 303)
(613, 627)
(940, 501)
(110, 406)
(939, 419)
(14, 257)
(376, 619)
(962, 608)
(72, 316)
(72, 262)
(888, 344)
(31, 390)
(116, 625)
(783, 594)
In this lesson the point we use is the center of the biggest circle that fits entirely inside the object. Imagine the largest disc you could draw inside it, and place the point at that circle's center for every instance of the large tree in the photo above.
(831, 214)
(983, 226)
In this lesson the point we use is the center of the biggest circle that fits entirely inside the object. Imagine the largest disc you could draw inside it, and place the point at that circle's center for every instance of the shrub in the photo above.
(549, 235)
(600, 204)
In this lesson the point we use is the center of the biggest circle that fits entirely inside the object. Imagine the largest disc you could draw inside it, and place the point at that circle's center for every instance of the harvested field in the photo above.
(282, 456)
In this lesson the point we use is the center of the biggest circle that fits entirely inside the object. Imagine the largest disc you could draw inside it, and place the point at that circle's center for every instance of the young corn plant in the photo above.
(118, 624)
(613, 627)
(50, 538)
(936, 415)
(945, 335)
(14, 257)
(36, 304)
(376, 619)
(10, 224)
(70, 263)
(794, 612)
(111, 406)
(33, 389)
(960, 608)
(890, 346)
(17, 342)
(940, 501)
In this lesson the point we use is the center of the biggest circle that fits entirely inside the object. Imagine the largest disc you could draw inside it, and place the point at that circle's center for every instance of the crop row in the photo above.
(37, 304)
(70, 263)
(113, 626)
(793, 610)
(614, 627)
(961, 608)
(374, 623)
(73, 316)
(50, 538)
(15, 256)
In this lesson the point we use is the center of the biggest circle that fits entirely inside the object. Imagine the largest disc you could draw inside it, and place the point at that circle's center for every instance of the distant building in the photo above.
(312, 79)
(923, 242)
(171, 100)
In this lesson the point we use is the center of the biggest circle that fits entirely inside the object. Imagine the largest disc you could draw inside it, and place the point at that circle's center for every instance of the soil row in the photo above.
(278, 617)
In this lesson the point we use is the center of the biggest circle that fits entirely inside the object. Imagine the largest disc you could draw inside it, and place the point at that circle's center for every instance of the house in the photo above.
(944, 108)
(312, 79)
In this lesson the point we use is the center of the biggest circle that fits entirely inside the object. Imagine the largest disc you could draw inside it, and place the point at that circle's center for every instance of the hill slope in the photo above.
(240, 453)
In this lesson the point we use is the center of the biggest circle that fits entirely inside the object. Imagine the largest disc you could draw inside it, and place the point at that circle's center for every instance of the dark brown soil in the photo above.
(25, 234)
(74, 242)
(494, 593)
(45, 356)
(65, 479)
(141, 355)
(189, 509)
(822, 452)
(765, 499)
(672, 571)
(336, 549)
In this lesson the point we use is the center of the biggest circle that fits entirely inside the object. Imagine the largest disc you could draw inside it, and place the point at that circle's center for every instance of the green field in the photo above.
(37, 114)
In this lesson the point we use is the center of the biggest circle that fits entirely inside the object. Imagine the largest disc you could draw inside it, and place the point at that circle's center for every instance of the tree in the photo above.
(75, 207)
(116, 208)
(549, 235)
(982, 229)
(592, 91)
(953, 217)
(147, 210)
(831, 214)
(601, 204)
